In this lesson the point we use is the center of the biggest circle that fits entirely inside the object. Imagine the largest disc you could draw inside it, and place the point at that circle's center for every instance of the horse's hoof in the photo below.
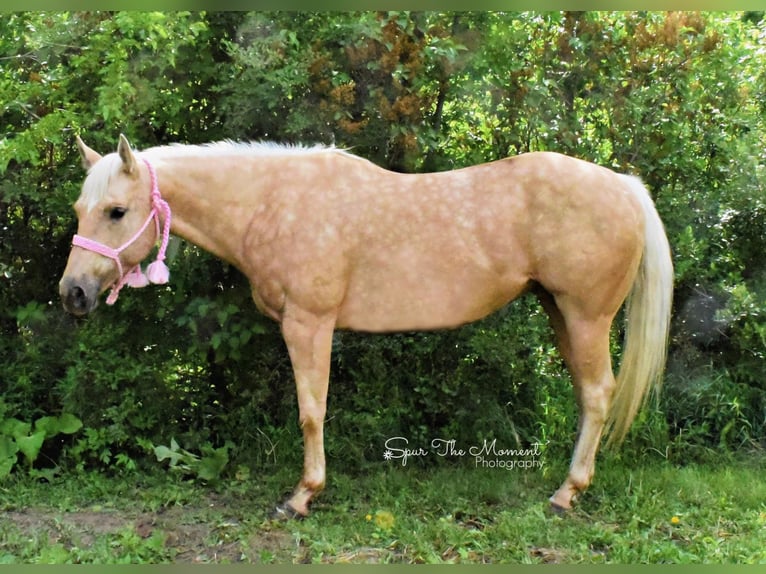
(285, 512)
(558, 510)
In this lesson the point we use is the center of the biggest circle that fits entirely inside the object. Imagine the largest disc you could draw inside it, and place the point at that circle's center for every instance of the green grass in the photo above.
(651, 513)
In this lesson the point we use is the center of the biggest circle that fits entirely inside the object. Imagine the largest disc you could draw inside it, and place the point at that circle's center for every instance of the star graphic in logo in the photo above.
(388, 455)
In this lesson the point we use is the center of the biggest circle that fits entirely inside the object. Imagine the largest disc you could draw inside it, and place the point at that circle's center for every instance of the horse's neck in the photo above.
(206, 202)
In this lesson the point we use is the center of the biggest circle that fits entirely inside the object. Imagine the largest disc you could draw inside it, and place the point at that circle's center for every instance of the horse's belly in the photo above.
(380, 303)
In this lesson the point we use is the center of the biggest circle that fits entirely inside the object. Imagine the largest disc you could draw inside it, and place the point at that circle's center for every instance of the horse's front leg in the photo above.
(309, 343)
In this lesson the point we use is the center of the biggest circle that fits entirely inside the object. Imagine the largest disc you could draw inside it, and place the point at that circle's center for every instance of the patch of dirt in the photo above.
(60, 527)
(360, 556)
(549, 555)
(189, 538)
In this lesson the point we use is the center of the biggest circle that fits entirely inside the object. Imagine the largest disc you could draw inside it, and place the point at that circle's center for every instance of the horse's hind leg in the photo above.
(584, 345)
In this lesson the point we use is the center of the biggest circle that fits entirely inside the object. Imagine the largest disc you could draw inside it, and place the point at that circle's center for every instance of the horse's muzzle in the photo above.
(79, 296)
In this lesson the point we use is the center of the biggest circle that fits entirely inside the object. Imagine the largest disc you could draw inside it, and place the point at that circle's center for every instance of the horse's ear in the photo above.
(89, 157)
(126, 155)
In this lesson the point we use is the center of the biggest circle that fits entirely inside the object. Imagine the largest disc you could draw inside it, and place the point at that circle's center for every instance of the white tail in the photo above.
(647, 315)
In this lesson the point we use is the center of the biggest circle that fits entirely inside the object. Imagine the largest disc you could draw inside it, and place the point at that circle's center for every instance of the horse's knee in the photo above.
(311, 421)
(313, 479)
(595, 398)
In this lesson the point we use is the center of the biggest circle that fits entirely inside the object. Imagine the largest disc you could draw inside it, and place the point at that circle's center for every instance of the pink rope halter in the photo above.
(157, 272)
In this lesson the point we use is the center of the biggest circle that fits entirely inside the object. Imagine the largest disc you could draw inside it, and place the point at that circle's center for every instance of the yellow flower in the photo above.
(675, 520)
(368, 517)
(384, 519)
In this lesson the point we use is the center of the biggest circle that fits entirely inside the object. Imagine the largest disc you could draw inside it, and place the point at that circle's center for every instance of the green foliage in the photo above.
(208, 466)
(21, 437)
(676, 97)
(224, 330)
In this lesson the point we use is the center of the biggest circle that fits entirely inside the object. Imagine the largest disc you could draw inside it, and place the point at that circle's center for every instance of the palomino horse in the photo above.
(331, 241)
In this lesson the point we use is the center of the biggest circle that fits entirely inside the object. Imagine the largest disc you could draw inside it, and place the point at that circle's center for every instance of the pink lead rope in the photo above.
(157, 272)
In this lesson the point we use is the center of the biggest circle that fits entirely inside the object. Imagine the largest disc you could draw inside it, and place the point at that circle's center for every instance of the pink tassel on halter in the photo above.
(135, 278)
(158, 273)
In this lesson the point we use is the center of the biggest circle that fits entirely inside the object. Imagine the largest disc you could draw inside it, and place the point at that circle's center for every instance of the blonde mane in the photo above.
(229, 147)
(97, 183)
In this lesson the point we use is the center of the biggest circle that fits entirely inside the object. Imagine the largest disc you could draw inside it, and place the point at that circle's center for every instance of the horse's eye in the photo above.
(116, 213)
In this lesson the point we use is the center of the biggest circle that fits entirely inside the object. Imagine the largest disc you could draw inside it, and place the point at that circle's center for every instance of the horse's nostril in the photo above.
(78, 299)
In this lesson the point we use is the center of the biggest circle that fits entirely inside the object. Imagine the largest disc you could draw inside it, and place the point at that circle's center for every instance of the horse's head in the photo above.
(114, 211)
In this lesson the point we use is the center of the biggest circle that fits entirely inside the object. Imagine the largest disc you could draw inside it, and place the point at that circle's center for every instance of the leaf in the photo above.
(163, 453)
(213, 462)
(48, 425)
(30, 445)
(69, 424)
(176, 454)
(6, 465)
(15, 428)
(8, 448)
(66, 423)
(216, 340)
